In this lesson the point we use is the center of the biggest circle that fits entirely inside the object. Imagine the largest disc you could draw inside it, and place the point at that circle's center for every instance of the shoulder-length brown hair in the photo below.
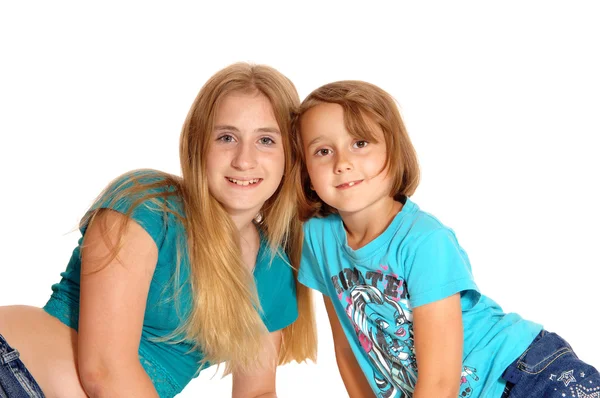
(362, 102)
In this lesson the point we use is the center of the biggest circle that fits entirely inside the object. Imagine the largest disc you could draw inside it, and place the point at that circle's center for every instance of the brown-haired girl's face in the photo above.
(245, 159)
(347, 173)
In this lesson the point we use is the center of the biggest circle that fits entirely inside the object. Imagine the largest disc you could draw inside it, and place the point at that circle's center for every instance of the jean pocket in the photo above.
(543, 352)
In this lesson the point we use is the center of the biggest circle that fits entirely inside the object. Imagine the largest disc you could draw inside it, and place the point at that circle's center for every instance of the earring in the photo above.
(258, 218)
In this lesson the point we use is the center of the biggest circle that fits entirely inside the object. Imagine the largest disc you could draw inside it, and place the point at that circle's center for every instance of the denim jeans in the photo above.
(550, 368)
(15, 379)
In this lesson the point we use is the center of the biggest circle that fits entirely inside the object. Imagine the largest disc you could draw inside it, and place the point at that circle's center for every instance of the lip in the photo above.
(243, 180)
(349, 184)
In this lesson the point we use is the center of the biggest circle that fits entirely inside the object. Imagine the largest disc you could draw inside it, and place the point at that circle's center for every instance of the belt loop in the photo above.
(9, 357)
(512, 374)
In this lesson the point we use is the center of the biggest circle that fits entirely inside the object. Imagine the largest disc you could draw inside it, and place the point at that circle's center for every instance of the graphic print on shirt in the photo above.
(378, 307)
(465, 386)
(382, 319)
(388, 344)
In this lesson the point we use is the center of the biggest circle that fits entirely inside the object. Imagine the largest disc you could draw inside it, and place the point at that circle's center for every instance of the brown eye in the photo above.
(360, 144)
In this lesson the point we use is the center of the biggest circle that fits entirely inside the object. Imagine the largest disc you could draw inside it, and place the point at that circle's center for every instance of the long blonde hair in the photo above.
(359, 100)
(221, 284)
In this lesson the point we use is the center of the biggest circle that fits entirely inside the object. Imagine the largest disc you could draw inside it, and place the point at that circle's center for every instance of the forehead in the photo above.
(242, 106)
(322, 118)
(328, 119)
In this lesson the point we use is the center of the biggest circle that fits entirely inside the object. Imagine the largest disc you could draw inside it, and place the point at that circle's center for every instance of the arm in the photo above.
(260, 382)
(438, 347)
(354, 379)
(112, 303)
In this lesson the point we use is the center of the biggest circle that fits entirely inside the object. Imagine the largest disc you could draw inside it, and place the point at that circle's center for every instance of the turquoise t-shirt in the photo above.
(415, 261)
(172, 366)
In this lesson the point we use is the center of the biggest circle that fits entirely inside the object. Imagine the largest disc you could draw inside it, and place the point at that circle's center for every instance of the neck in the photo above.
(249, 238)
(244, 223)
(364, 226)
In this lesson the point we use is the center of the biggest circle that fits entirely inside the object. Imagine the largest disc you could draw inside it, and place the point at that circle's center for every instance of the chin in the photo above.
(350, 209)
(241, 207)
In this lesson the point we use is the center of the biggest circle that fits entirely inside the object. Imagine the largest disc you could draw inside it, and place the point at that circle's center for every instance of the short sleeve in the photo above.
(440, 268)
(277, 294)
(311, 272)
(144, 206)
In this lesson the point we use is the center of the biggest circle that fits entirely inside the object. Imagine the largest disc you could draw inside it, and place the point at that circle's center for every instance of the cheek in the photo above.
(211, 183)
(210, 167)
(313, 176)
(319, 180)
(276, 163)
(312, 167)
(213, 158)
(376, 165)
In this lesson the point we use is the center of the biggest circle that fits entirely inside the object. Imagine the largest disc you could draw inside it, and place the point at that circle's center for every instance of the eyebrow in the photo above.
(272, 130)
(315, 141)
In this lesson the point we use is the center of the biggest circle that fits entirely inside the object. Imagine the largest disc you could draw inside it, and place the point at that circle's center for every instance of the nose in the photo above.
(245, 156)
(343, 163)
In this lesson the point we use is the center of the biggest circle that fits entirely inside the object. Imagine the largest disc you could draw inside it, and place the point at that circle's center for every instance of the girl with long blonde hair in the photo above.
(173, 274)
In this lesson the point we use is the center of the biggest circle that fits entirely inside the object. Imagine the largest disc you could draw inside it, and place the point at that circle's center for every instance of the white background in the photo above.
(501, 100)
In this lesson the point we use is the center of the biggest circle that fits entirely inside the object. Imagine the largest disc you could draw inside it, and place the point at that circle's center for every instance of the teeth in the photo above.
(351, 183)
(244, 183)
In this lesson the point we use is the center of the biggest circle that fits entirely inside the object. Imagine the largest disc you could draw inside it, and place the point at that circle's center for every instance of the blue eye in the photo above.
(360, 144)
(266, 141)
(226, 138)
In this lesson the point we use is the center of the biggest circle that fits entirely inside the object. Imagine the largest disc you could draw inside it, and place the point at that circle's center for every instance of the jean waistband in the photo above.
(7, 353)
(15, 379)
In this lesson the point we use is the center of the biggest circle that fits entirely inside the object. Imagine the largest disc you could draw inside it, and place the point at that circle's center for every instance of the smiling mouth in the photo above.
(244, 183)
(349, 184)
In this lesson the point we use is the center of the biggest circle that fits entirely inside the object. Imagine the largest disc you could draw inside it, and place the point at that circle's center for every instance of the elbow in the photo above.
(94, 379)
(98, 378)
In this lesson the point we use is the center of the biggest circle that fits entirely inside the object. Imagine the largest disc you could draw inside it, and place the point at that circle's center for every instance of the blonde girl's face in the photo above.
(347, 173)
(245, 160)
